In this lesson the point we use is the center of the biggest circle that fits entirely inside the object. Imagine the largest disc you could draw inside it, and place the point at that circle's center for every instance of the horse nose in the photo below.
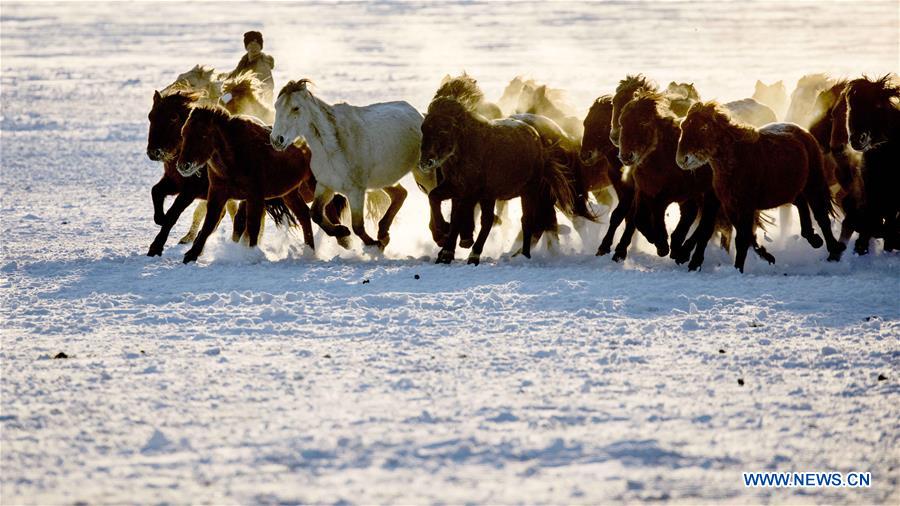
(280, 140)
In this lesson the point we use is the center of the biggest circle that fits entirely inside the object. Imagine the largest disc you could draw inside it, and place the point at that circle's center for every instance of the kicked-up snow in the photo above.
(279, 375)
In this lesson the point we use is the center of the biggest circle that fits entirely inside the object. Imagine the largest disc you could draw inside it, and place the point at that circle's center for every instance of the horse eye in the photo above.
(295, 109)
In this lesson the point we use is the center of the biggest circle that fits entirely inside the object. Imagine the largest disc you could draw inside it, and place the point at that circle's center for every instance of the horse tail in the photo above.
(817, 172)
(377, 203)
(280, 213)
(559, 182)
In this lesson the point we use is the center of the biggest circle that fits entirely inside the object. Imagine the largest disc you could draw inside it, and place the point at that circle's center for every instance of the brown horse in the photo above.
(481, 161)
(755, 169)
(873, 127)
(167, 116)
(600, 163)
(648, 141)
(241, 164)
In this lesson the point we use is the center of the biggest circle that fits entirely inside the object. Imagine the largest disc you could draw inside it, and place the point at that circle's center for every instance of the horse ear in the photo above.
(673, 84)
(760, 85)
(156, 96)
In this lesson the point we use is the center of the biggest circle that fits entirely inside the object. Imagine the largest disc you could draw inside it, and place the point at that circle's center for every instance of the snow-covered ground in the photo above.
(280, 376)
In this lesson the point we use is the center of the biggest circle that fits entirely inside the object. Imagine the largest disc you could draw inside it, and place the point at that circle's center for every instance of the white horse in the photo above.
(354, 149)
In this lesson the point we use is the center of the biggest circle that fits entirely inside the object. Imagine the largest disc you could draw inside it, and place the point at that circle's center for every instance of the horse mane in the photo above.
(464, 89)
(454, 110)
(886, 87)
(294, 86)
(211, 112)
(657, 99)
(635, 81)
(242, 85)
(186, 96)
(813, 80)
(720, 116)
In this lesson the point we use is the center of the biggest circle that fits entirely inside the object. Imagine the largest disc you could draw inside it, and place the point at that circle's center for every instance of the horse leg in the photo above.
(459, 211)
(182, 201)
(255, 213)
(744, 227)
(806, 230)
(301, 211)
(487, 221)
(196, 221)
(615, 219)
(357, 200)
(761, 251)
(334, 209)
(398, 195)
(323, 196)
(467, 231)
(437, 224)
(820, 203)
(657, 222)
(215, 208)
(625, 241)
(240, 222)
(700, 238)
(158, 193)
(679, 250)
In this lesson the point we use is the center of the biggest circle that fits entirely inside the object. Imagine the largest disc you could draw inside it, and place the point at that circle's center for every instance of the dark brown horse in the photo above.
(167, 116)
(755, 169)
(477, 161)
(241, 164)
(600, 163)
(873, 127)
(648, 141)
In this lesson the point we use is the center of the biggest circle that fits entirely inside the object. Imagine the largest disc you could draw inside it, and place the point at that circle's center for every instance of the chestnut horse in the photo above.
(873, 127)
(241, 164)
(479, 161)
(755, 169)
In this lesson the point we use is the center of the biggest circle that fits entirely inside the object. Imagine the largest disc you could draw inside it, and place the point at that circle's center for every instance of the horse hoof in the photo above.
(444, 257)
(815, 240)
(695, 265)
(341, 231)
(474, 259)
(343, 242)
(526, 255)
(662, 250)
(384, 240)
(187, 239)
(602, 251)
(466, 242)
(154, 252)
(681, 256)
(619, 256)
(190, 257)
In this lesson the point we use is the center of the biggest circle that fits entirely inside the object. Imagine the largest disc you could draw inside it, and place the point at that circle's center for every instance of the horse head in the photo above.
(872, 109)
(167, 116)
(701, 130)
(198, 139)
(442, 128)
(292, 112)
(595, 141)
(639, 130)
